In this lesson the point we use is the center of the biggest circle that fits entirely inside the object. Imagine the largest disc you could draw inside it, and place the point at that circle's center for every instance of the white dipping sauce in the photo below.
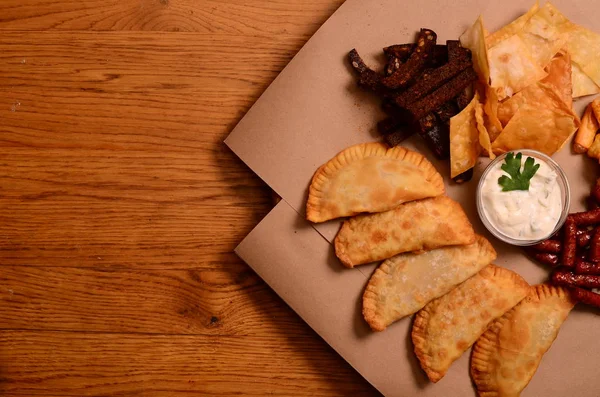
(523, 214)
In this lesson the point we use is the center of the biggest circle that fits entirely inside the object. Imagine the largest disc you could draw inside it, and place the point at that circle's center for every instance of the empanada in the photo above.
(418, 225)
(402, 285)
(446, 327)
(507, 355)
(370, 177)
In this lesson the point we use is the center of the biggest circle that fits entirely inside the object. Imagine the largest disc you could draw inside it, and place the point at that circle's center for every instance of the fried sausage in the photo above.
(569, 243)
(584, 237)
(545, 258)
(595, 246)
(585, 296)
(587, 218)
(552, 246)
(583, 267)
(570, 279)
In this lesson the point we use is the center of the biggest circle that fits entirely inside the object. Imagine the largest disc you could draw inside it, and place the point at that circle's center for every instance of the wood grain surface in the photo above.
(120, 206)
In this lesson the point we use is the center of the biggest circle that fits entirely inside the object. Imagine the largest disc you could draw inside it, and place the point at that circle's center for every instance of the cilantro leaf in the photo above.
(518, 180)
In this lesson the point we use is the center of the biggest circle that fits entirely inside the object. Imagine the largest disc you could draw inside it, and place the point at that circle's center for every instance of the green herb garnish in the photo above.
(518, 180)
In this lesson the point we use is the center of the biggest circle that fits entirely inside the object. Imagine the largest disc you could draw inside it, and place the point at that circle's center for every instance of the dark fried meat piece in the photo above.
(456, 52)
(367, 78)
(447, 111)
(397, 137)
(432, 80)
(465, 97)
(393, 64)
(436, 135)
(464, 177)
(402, 53)
(415, 64)
(445, 93)
(388, 125)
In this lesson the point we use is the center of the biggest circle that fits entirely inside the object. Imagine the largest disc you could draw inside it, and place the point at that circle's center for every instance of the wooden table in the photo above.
(120, 206)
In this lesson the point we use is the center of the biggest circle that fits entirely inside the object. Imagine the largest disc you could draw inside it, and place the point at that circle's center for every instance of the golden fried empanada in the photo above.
(402, 285)
(507, 355)
(418, 225)
(370, 177)
(446, 327)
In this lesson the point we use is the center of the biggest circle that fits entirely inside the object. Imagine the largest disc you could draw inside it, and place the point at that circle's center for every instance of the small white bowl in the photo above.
(564, 189)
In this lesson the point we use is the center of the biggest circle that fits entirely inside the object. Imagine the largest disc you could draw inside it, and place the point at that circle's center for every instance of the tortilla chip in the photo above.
(587, 131)
(474, 39)
(512, 28)
(490, 108)
(555, 17)
(559, 76)
(464, 139)
(584, 47)
(539, 95)
(536, 127)
(511, 67)
(484, 136)
(582, 83)
(542, 38)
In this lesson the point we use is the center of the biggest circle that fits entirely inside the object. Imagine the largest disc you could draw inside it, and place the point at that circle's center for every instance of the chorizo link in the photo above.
(545, 258)
(552, 246)
(570, 279)
(594, 254)
(569, 243)
(585, 296)
(584, 267)
(586, 218)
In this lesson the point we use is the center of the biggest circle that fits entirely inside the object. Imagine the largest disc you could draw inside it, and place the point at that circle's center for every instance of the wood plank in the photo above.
(107, 171)
(131, 90)
(77, 364)
(208, 16)
(221, 298)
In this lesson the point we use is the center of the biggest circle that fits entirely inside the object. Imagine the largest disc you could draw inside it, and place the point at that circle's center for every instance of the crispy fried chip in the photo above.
(542, 38)
(537, 127)
(584, 47)
(559, 76)
(490, 108)
(539, 95)
(582, 83)
(464, 139)
(484, 136)
(474, 40)
(587, 131)
(511, 67)
(512, 28)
